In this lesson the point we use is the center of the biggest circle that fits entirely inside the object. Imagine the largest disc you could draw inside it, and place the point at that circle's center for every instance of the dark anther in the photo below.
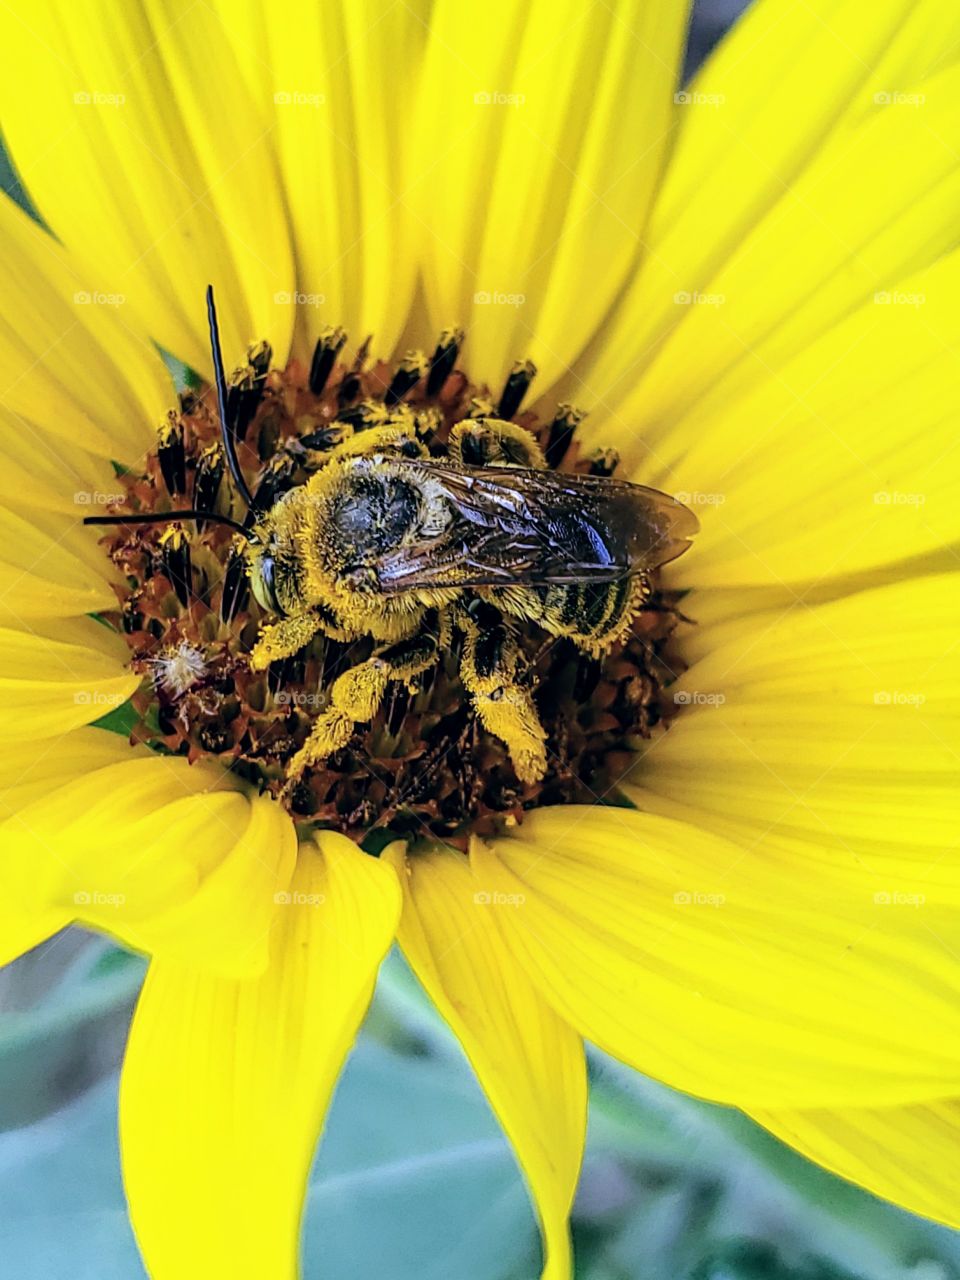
(324, 438)
(411, 369)
(587, 678)
(329, 345)
(348, 391)
(235, 585)
(604, 462)
(277, 479)
(515, 388)
(368, 413)
(175, 556)
(564, 424)
(206, 481)
(171, 455)
(245, 390)
(444, 360)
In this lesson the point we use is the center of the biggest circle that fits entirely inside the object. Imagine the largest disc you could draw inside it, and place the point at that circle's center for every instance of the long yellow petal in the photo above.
(905, 1154)
(75, 365)
(174, 859)
(540, 136)
(527, 1059)
(50, 572)
(136, 137)
(336, 82)
(57, 677)
(726, 971)
(776, 215)
(225, 1084)
(30, 773)
(826, 737)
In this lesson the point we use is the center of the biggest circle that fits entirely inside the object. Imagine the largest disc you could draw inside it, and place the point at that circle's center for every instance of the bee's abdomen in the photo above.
(593, 615)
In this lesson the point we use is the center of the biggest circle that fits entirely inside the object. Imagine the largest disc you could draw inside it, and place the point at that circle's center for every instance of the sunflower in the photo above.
(749, 889)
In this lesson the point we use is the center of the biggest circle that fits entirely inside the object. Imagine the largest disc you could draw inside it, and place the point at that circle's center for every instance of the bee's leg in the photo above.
(488, 670)
(283, 639)
(355, 696)
(488, 442)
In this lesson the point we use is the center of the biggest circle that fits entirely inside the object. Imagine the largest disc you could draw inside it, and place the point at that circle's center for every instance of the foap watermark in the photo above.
(297, 898)
(898, 898)
(898, 498)
(694, 298)
(93, 98)
(694, 98)
(95, 298)
(97, 898)
(497, 98)
(294, 298)
(697, 898)
(898, 298)
(96, 498)
(298, 698)
(696, 498)
(698, 698)
(899, 698)
(299, 98)
(494, 898)
(98, 698)
(498, 298)
(898, 98)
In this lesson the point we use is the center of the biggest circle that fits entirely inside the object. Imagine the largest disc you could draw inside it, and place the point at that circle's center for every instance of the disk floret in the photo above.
(427, 740)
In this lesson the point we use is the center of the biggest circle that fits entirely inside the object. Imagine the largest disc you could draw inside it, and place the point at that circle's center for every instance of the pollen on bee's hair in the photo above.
(465, 731)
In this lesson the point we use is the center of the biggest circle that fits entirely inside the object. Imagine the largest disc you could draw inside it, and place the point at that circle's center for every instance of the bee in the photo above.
(386, 542)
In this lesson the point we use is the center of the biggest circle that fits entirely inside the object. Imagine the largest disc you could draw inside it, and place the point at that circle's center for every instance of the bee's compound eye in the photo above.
(263, 583)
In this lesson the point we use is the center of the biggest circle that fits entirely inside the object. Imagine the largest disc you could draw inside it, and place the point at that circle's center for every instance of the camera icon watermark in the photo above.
(494, 898)
(298, 98)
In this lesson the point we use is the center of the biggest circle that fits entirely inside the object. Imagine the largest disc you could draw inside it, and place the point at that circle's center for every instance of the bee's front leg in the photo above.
(283, 639)
(489, 670)
(355, 696)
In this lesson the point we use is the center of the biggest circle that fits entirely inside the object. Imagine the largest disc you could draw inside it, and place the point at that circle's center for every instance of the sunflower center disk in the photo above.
(424, 764)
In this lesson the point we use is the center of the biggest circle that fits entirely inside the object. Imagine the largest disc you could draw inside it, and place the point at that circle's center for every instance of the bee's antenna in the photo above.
(229, 441)
(165, 517)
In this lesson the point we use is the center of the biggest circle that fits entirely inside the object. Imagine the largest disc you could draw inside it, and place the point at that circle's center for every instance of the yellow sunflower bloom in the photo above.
(737, 871)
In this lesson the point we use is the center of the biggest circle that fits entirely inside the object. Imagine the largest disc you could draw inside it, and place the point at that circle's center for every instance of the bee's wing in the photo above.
(516, 525)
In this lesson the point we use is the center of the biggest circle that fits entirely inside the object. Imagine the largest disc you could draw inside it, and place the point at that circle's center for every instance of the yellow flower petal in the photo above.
(905, 1154)
(30, 775)
(136, 138)
(42, 574)
(225, 1084)
(53, 475)
(57, 677)
(528, 1061)
(171, 858)
(842, 460)
(73, 365)
(725, 971)
(327, 79)
(777, 214)
(540, 135)
(827, 736)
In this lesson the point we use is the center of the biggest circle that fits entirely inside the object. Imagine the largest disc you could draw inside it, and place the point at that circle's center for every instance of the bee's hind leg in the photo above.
(489, 669)
(357, 694)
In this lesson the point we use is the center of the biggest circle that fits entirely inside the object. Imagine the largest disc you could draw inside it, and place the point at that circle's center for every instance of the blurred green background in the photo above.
(414, 1180)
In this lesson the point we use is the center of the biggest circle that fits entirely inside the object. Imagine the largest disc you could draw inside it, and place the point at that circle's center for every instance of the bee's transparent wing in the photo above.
(515, 525)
